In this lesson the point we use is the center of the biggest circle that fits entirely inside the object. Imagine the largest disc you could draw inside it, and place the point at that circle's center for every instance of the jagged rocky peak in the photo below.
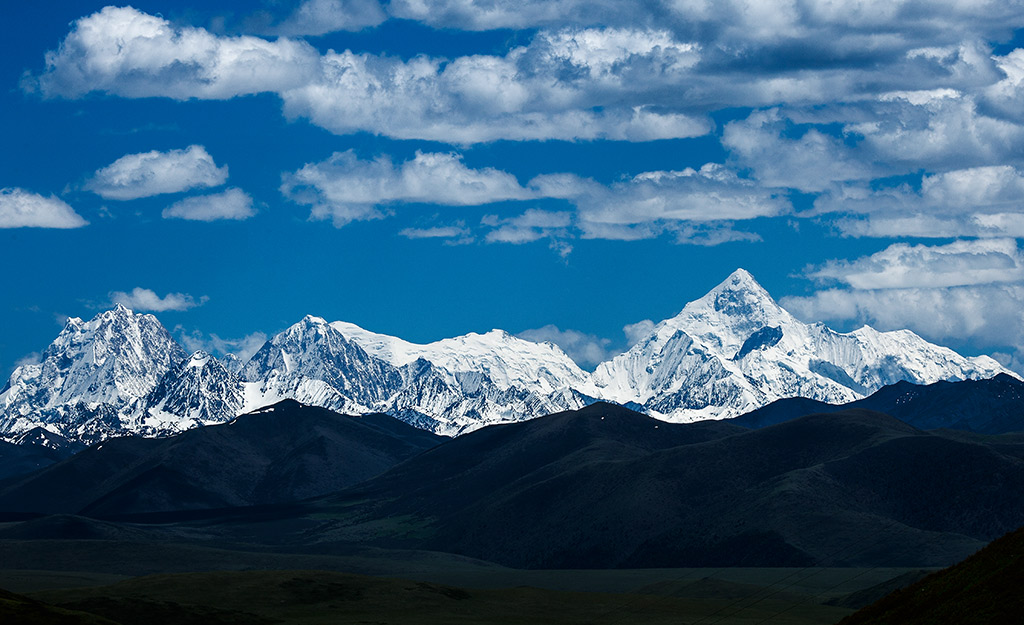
(306, 342)
(307, 322)
(315, 363)
(118, 332)
(92, 378)
(201, 363)
(739, 281)
(197, 359)
(201, 390)
(117, 355)
(740, 295)
(232, 363)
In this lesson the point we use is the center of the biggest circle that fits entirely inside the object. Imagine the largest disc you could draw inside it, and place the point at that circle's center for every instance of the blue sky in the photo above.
(562, 169)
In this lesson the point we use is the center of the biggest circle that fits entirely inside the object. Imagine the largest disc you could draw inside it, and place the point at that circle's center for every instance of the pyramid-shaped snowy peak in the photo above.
(736, 349)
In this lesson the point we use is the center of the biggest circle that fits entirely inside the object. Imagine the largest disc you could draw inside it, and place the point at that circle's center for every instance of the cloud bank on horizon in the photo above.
(895, 123)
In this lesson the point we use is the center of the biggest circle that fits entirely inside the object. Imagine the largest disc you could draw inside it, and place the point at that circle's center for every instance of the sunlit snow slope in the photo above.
(731, 351)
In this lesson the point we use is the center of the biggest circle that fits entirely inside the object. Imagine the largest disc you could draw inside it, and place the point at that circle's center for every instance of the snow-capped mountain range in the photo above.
(731, 351)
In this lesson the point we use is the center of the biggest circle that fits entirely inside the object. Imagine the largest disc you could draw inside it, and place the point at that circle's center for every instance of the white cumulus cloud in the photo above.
(1005, 95)
(23, 209)
(344, 188)
(569, 84)
(596, 70)
(937, 133)
(152, 173)
(901, 265)
(979, 201)
(636, 332)
(847, 98)
(146, 299)
(233, 203)
(125, 52)
(812, 162)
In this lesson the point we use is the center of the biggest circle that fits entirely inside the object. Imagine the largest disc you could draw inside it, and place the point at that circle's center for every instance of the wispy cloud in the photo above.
(32, 358)
(532, 225)
(344, 188)
(587, 350)
(698, 206)
(243, 347)
(232, 204)
(147, 300)
(457, 231)
(318, 17)
(652, 203)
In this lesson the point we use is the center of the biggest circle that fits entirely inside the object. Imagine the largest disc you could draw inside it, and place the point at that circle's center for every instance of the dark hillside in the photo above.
(993, 406)
(607, 487)
(984, 589)
(283, 453)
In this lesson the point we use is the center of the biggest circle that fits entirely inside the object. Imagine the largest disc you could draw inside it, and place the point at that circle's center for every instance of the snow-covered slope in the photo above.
(92, 373)
(507, 360)
(731, 351)
(736, 349)
(452, 403)
(316, 364)
(200, 391)
(448, 387)
(463, 383)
